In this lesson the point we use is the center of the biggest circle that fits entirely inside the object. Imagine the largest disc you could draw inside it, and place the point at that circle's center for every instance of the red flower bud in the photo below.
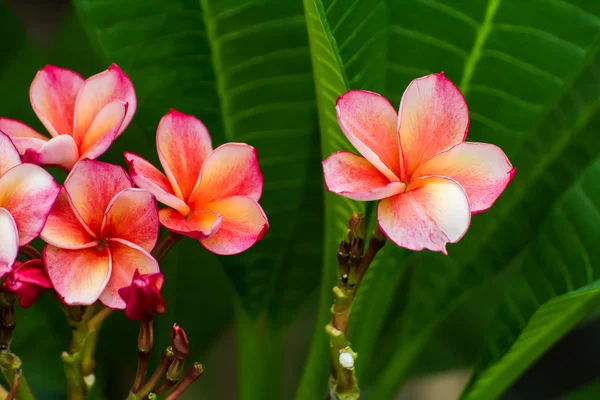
(179, 343)
(142, 297)
(27, 281)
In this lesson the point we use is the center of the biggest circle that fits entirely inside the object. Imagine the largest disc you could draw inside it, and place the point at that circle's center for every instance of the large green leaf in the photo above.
(589, 391)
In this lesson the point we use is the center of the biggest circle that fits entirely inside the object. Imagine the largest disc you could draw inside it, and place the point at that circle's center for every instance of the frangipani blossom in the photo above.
(83, 117)
(212, 194)
(428, 179)
(27, 193)
(99, 232)
(27, 281)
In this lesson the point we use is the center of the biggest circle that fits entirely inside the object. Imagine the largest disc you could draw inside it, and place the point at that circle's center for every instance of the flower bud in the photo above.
(142, 297)
(179, 342)
(27, 281)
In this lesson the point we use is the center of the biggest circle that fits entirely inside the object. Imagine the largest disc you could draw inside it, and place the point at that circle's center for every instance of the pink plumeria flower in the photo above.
(99, 232)
(212, 194)
(83, 117)
(27, 281)
(428, 179)
(27, 193)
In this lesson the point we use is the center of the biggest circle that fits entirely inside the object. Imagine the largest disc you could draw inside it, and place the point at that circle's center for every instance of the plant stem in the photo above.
(192, 376)
(352, 265)
(11, 369)
(165, 245)
(158, 374)
(30, 252)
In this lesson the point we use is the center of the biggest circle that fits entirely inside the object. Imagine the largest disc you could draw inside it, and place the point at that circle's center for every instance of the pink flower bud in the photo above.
(27, 281)
(142, 297)
(179, 342)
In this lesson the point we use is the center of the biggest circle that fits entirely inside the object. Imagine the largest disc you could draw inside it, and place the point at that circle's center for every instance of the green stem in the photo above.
(259, 357)
(10, 365)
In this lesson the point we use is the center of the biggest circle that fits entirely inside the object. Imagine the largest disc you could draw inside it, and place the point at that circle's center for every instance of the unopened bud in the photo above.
(179, 342)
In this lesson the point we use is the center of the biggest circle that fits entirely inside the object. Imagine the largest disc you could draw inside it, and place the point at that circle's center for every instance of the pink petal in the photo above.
(27, 281)
(146, 176)
(103, 130)
(433, 212)
(230, 170)
(53, 94)
(126, 259)
(183, 143)
(28, 193)
(96, 93)
(433, 117)
(79, 276)
(9, 156)
(60, 151)
(354, 177)
(132, 215)
(9, 241)
(483, 170)
(64, 228)
(198, 225)
(91, 186)
(244, 223)
(369, 122)
(22, 136)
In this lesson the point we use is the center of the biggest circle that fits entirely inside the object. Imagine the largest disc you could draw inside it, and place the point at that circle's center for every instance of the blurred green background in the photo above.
(268, 73)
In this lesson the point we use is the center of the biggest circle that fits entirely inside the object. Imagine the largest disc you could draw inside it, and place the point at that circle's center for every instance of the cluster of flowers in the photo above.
(98, 227)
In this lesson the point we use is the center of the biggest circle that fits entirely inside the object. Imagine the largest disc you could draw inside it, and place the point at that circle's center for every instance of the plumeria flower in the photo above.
(212, 194)
(99, 232)
(83, 117)
(143, 296)
(27, 193)
(428, 179)
(27, 281)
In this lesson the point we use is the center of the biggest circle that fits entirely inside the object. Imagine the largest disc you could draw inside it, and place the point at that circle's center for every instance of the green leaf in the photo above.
(589, 391)
(525, 80)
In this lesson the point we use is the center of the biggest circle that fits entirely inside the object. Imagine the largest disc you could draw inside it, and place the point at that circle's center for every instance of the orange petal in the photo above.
(369, 122)
(9, 245)
(244, 223)
(146, 176)
(60, 151)
(9, 156)
(126, 259)
(103, 130)
(28, 193)
(96, 93)
(79, 276)
(132, 215)
(230, 170)
(433, 212)
(64, 228)
(183, 143)
(433, 117)
(91, 186)
(354, 177)
(198, 225)
(22, 136)
(53, 94)
(483, 171)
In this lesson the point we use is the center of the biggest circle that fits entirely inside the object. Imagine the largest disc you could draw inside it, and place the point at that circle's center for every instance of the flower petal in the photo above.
(9, 241)
(27, 281)
(22, 136)
(28, 193)
(183, 143)
(132, 215)
(198, 225)
(482, 169)
(356, 178)
(9, 156)
(146, 176)
(244, 223)
(53, 94)
(97, 92)
(126, 259)
(103, 130)
(432, 212)
(60, 151)
(433, 117)
(79, 276)
(91, 186)
(369, 122)
(64, 228)
(230, 170)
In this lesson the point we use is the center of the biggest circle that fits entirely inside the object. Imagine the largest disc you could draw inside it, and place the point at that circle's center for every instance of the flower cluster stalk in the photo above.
(353, 263)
